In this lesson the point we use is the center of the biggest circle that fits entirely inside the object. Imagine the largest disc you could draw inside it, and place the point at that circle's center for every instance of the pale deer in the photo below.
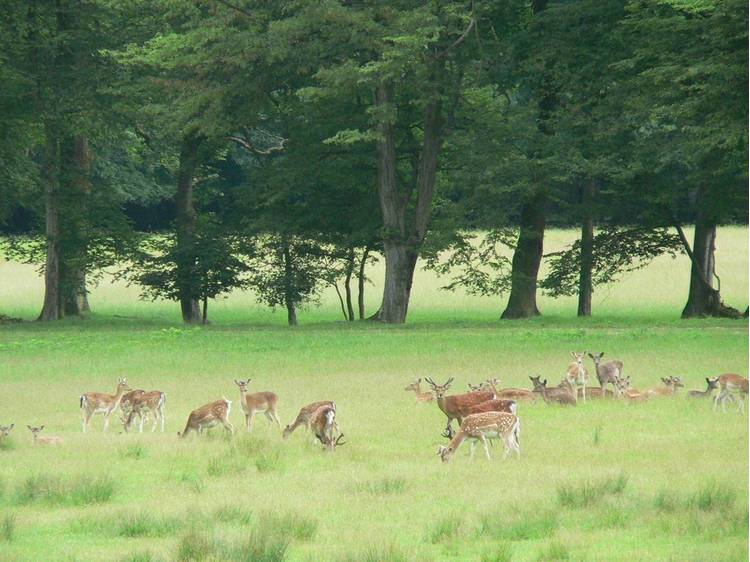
(100, 403)
(152, 402)
(258, 402)
(671, 384)
(632, 394)
(711, 385)
(208, 416)
(44, 439)
(577, 375)
(324, 427)
(595, 392)
(480, 427)
(5, 431)
(420, 396)
(563, 396)
(607, 373)
(454, 406)
(729, 384)
(305, 415)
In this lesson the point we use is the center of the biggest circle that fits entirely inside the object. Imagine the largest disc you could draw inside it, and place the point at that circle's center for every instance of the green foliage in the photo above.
(8, 527)
(582, 495)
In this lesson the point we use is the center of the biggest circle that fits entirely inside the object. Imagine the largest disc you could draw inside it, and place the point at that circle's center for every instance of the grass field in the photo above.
(662, 480)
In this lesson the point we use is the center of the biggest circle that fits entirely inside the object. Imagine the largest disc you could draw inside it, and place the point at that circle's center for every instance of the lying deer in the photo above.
(5, 431)
(607, 373)
(324, 427)
(711, 385)
(305, 415)
(141, 405)
(265, 402)
(208, 416)
(100, 403)
(557, 395)
(44, 440)
(420, 396)
(480, 427)
(454, 406)
(595, 392)
(577, 375)
(632, 394)
(516, 394)
(671, 384)
(729, 384)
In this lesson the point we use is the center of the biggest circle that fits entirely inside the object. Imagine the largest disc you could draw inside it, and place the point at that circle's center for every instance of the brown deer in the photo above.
(711, 385)
(418, 394)
(577, 375)
(632, 394)
(607, 373)
(100, 403)
(265, 402)
(454, 406)
(305, 415)
(670, 388)
(480, 427)
(563, 396)
(208, 416)
(5, 431)
(730, 383)
(517, 394)
(126, 402)
(595, 392)
(324, 427)
(497, 405)
(147, 402)
(43, 440)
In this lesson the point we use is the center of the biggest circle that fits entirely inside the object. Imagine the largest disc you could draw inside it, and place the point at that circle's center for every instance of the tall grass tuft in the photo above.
(195, 546)
(554, 550)
(193, 481)
(384, 486)
(501, 553)
(377, 554)
(269, 461)
(233, 514)
(8, 528)
(292, 525)
(226, 464)
(142, 524)
(597, 435)
(531, 526)
(714, 496)
(666, 501)
(139, 557)
(54, 490)
(445, 529)
(259, 547)
(590, 492)
(135, 451)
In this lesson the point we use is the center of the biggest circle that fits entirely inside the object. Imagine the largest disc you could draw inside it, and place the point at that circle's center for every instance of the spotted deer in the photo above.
(208, 416)
(729, 384)
(607, 373)
(480, 427)
(577, 375)
(305, 415)
(711, 385)
(100, 403)
(454, 407)
(126, 403)
(324, 427)
(420, 396)
(563, 396)
(146, 403)
(258, 402)
(44, 439)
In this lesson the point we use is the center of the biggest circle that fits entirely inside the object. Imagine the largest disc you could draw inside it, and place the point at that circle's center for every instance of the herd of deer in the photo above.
(485, 412)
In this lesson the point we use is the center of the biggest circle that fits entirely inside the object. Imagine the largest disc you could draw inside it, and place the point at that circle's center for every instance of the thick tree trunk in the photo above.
(348, 284)
(400, 261)
(51, 309)
(186, 220)
(585, 286)
(527, 258)
(703, 298)
(361, 284)
(289, 291)
(204, 316)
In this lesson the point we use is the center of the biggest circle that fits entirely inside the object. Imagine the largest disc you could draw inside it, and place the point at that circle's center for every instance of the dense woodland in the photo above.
(199, 146)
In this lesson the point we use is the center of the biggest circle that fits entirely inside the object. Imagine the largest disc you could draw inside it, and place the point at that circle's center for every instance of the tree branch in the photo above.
(247, 145)
(236, 8)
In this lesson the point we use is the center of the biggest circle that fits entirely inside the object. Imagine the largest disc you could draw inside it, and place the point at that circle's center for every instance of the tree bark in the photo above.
(526, 258)
(703, 298)
(51, 309)
(361, 284)
(348, 284)
(289, 292)
(186, 224)
(585, 286)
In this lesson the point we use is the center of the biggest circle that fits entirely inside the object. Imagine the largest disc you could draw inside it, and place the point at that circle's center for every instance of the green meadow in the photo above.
(662, 480)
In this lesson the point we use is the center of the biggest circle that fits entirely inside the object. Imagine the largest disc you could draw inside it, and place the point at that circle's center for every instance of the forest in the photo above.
(195, 147)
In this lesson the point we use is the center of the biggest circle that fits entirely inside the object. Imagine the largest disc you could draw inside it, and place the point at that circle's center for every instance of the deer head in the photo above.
(333, 443)
(445, 452)
(414, 385)
(539, 385)
(242, 384)
(5, 430)
(677, 382)
(579, 357)
(475, 387)
(713, 384)
(439, 389)
(597, 357)
(35, 430)
(122, 385)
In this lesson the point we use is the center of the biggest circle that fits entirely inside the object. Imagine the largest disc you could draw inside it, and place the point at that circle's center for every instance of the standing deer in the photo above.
(558, 395)
(419, 395)
(480, 427)
(99, 403)
(497, 405)
(711, 385)
(454, 406)
(147, 402)
(607, 373)
(258, 402)
(305, 415)
(577, 375)
(43, 440)
(5, 431)
(126, 403)
(730, 383)
(208, 416)
(324, 427)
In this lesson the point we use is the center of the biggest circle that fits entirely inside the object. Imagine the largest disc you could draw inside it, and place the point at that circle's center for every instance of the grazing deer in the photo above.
(730, 383)
(711, 385)
(497, 405)
(43, 440)
(558, 395)
(480, 427)
(99, 403)
(577, 375)
(147, 402)
(670, 388)
(454, 406)
(208, 416)
(607, 373)
(127, 401)
(418, 394)
(258, 402)
(5, 431)
(324, 427)
(305, 415)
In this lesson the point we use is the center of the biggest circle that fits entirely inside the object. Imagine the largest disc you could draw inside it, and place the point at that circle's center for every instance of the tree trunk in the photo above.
(703, 299)
(361, 284)
(186, 220)
(348, 284)
(289, 292)
(51, 309)
(585, 286)
(527, 258)
(205, 310)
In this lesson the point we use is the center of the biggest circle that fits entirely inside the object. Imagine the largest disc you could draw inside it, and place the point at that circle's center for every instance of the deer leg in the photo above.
(106, 421)
(249, 419)
(486, 448)
(228, 426)
(583, 391)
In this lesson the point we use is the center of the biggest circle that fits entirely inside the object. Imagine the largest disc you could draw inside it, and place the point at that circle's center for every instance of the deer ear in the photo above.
(545, 382)
(41, 428)
(419, 379)
(27, 425)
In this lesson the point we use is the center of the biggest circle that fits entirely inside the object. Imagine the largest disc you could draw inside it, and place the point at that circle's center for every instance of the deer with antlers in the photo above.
(454, 407)
(480, 427)
(324, 427)
(577, 375)
(265, 402)
(43, 439)
(142, 405)
(305, 416)
(563, 396)
(729, 384)
(207, 416)
(100, 403)
(418, 394)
